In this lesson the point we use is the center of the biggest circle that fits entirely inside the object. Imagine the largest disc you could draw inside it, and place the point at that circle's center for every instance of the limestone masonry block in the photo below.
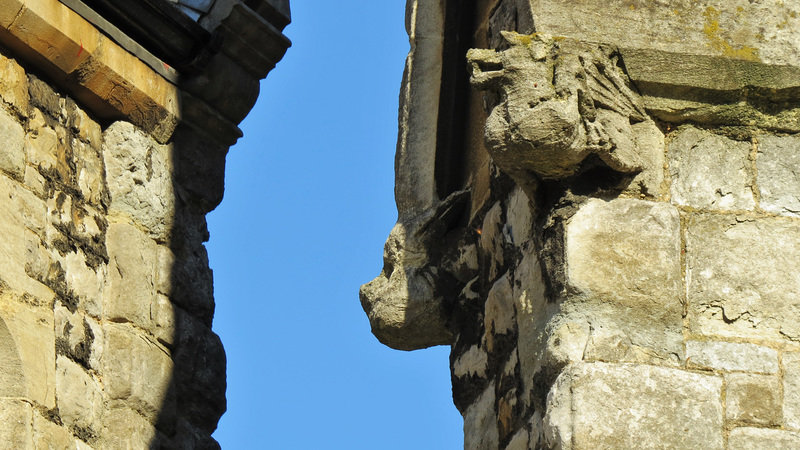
(626, 252)
(14, 85)
(139, 178)
(657, 407)
(32, 330)
(778, 180)
(754, 399)
(480, 422)
(737, 29)
(80, 397)
(499, 318)
(710, 171)
(731, 356)
(791, 391)
(125, 429)
(746, 438)
(623, 271)
(130, 290)
(12, 158)
(17, 419)
(742, 277)
(50, 28)
(139, 372)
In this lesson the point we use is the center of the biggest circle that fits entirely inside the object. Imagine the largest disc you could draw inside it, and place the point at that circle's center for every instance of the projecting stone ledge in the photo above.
(118, 79)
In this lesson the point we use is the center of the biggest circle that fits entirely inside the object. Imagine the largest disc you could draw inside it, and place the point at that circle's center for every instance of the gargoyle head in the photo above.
(560, 100)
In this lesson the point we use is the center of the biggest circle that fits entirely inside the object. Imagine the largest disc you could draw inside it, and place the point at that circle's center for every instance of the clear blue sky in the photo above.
(308, 205)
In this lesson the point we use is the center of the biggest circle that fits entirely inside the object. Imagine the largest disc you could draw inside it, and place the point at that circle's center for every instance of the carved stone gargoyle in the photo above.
(560, 101)
(427, 263)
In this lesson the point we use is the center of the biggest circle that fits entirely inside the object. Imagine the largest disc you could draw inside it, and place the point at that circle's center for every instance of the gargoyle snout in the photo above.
(485, 67)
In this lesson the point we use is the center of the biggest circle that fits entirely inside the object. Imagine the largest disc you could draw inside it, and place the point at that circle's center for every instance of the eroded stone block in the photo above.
(710, 171)
(746, 438)
(17, 419)
(132, 277)
(791, 391)
(12, 158)
(125, 429)
(753, 399)
(731, 356)
(623, 273)
(80, 397)
(138, 371)
(480, 422)
(590, 403)
(743, 277)
(778, 180)
(139, 178)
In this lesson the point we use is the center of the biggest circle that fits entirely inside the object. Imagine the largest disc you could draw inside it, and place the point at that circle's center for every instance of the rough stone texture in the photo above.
(753, 399)
(623, 257)
(107, 170)
(742, 276)
(480, 426)
(730, 356)
(658, 408)
(738, 29)
(779, 183)
(752, 438)
(624, 272)
(791, 391)
(710, 171)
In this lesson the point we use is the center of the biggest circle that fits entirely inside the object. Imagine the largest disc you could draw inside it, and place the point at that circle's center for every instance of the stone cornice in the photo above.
(124, 82)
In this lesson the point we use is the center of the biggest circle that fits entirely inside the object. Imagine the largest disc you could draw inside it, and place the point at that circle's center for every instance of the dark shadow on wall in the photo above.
(198, 384)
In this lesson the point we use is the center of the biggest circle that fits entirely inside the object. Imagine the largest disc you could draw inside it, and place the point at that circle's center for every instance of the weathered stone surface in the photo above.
(480, 423)
(710, 171)
(12, 158)
(49, 436)
(13, 84)
(17, 419)
(754, 399)
(561, 101)
(532, 314)
(32, 330)
(657, 407)
(126, 429)
(80, 398)
(742, 276)
(746, 438)
(519, 441)
(138, 371)
(130, 292)
(623, 272)
(778, 181)
(406, 302)
(738, 30)
(473, 362)
(139, 178)
(791, 391)
(499, 309)
(731, 356)
(41, 143)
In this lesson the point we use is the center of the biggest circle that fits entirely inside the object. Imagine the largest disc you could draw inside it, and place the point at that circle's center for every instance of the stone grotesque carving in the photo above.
(426, 264)
(560, 101)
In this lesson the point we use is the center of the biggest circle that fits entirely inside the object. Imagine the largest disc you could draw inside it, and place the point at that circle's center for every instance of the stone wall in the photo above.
(106, 291)
(618, 268)
(108, 169)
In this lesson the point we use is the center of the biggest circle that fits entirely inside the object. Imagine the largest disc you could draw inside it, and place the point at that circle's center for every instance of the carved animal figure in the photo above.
(560, 101)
